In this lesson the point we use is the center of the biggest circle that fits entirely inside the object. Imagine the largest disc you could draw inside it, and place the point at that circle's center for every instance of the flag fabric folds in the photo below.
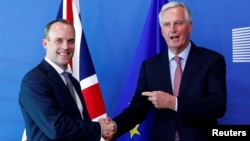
(151, 43)
(81, 65)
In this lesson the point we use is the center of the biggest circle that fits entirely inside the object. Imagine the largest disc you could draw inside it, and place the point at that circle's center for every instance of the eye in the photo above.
(71, 41)
(58, 41)
(166, 24)
(178, 23)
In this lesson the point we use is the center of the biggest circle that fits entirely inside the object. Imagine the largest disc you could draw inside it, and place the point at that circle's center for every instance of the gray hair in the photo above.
(172, 4)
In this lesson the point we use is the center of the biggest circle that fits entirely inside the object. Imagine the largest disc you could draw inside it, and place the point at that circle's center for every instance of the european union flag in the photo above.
(150, 44)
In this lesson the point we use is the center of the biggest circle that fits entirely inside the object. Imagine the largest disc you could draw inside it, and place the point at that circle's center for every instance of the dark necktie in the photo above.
(69, 85)
(177, 81)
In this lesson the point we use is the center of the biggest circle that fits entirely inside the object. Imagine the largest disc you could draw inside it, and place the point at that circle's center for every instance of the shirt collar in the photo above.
(57, 68)
(183, 54)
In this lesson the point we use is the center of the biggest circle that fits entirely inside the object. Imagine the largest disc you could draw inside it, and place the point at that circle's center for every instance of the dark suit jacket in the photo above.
(49, 110)
(201, 100)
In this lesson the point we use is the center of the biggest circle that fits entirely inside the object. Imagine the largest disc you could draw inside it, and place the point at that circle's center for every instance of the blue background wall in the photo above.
(112, 29)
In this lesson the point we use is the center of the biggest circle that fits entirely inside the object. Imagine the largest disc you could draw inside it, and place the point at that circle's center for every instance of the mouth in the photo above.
(174, 37)
(64, 54)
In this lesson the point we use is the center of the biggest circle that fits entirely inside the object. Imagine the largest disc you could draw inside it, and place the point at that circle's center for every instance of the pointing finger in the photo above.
(147, 94)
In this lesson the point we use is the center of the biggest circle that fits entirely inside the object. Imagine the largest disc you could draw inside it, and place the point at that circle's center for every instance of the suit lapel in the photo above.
(52, 74)
(166, 70)
(192, 64)
(79, 93)
(55, 78)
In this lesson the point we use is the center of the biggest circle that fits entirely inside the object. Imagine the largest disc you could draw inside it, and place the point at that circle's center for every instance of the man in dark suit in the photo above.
(49, 110)
(190, 114)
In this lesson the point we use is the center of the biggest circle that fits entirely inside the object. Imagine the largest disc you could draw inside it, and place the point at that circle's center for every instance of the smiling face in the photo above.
(60, 44)
(175, 29)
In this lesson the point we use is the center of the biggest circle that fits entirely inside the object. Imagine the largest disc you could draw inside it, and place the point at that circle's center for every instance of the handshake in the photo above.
(108, 128)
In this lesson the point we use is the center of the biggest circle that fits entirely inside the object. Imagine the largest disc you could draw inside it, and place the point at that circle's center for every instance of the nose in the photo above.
(65, 45)
(172, 27)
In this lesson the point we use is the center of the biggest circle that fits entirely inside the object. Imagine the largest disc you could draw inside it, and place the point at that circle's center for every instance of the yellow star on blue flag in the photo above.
(134, 131)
